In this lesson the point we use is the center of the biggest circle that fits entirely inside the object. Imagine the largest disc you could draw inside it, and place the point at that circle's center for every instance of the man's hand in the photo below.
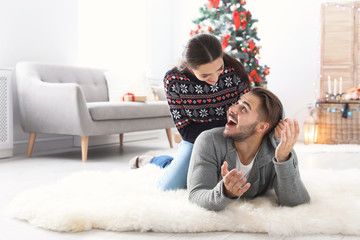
(289, 136)
(280, 126)
(233, 182)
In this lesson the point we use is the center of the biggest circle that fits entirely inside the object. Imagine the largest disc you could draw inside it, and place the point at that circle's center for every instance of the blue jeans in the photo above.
(175, 175)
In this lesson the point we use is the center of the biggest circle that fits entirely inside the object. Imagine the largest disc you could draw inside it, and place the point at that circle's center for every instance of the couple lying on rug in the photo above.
(243, 159)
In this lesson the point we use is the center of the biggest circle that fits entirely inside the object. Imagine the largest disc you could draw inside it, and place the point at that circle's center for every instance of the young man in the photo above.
(248, 148)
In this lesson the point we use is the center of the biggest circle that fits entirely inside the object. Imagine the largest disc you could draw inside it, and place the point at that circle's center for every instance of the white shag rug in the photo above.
(326, 148)
(129, 201)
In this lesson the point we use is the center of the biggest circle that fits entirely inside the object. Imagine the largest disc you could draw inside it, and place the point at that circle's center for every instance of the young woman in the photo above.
(199, 91)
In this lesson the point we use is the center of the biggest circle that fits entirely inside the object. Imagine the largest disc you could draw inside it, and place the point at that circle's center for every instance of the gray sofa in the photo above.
(73, 100)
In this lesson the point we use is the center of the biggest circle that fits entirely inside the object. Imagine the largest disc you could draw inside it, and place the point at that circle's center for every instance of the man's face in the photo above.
(243, 118)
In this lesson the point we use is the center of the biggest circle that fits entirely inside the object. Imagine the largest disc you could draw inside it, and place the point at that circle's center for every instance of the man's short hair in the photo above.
(270, 109)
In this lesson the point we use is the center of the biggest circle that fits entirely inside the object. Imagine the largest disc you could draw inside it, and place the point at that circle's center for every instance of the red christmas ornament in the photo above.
(253, 73)
(192, 32)
(267, 72)
(251, 45)
(225, 42)
(213, 3)
(249, 15)
(254, 77)
(237, 20)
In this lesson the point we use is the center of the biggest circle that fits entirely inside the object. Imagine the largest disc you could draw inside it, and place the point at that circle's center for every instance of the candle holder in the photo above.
(329, 97)
(310, 127)
(340, 97)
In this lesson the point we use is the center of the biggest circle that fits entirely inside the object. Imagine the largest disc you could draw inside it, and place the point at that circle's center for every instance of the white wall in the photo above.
(290, 37)
(37, 30)
(160, 38)
(169, 26)
(112, 34)
(150, 34)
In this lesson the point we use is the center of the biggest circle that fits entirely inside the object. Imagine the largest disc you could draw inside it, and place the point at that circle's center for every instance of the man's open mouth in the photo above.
(231, 122)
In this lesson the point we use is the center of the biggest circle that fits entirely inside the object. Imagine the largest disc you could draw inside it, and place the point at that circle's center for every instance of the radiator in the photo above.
(6, 114)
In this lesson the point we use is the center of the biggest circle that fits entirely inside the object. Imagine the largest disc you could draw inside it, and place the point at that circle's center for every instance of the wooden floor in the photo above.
(20, 173)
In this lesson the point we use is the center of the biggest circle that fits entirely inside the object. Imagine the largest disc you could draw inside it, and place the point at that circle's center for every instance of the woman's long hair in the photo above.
(205, 48)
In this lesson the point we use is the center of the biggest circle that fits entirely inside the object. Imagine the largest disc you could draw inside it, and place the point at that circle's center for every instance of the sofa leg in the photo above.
(32, 138)
(84, 147)
(121, 139)
(168, 132)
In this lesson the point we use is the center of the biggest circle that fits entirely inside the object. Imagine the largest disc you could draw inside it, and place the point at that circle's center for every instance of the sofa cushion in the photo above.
(122, 82)
(127, 110)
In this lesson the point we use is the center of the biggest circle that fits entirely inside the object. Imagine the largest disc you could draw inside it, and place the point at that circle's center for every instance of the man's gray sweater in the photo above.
(205, 183)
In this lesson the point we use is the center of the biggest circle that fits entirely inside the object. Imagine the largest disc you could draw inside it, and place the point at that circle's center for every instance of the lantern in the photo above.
(310, 130)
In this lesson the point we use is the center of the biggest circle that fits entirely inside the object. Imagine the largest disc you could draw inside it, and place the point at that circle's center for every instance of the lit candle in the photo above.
(329, 85)
(340, 86)
(335, 87)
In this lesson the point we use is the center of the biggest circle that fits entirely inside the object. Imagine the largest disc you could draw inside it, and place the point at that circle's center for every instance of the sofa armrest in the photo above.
(63, 104)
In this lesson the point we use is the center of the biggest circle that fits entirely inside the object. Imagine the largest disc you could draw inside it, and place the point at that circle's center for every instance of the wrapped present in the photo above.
(130, 97)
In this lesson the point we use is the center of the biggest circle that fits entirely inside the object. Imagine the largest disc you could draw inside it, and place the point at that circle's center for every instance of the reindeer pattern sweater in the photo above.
(197, 106)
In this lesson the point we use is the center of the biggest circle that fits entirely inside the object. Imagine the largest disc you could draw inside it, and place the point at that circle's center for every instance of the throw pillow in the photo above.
(158, 91)
(119, 83)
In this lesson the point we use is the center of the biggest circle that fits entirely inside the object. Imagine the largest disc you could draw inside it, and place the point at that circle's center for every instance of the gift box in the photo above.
(130, 97)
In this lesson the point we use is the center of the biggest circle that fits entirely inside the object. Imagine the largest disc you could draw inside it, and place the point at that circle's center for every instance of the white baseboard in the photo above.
(46, 144)
(62, 143)
(6, 153)
(115, 138)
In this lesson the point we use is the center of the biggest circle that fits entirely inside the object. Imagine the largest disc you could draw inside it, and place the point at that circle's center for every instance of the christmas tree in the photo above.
(229, 20)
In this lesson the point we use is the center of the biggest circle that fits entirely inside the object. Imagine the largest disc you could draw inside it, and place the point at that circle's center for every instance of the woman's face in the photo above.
(210, 72)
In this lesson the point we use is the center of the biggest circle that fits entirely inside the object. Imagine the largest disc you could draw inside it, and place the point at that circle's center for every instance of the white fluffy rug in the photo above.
(119, 201)
(326, 148)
